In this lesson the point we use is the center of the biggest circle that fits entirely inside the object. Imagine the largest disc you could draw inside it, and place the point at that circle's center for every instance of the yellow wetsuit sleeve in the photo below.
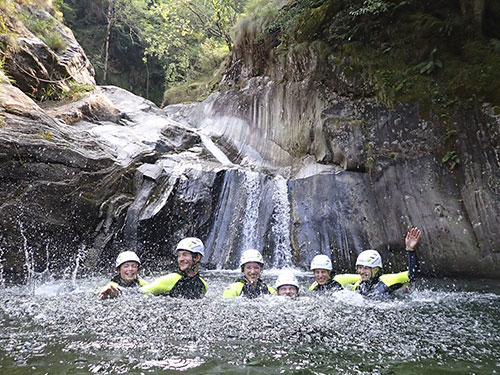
(395, 278)
(233, 290)
(162, 285)
(347, 278)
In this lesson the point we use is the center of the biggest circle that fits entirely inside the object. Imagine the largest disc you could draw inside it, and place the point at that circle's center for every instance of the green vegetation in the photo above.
(451, 158)
(437, 53)
(44, 29)
(147, 46)
(47, 136)
(53, 92)
(77, 90)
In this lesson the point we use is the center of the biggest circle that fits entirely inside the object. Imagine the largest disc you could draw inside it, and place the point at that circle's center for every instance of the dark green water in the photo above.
(442, 327)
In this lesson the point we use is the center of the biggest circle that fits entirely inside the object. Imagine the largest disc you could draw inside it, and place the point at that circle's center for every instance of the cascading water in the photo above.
(439, 327)
(250, 220)
(281, 224)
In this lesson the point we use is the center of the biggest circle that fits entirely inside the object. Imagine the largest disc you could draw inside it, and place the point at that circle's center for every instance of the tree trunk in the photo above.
(473, 11)
(110, 17)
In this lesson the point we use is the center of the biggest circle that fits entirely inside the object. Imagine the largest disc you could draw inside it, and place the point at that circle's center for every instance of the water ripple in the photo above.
(431, 330)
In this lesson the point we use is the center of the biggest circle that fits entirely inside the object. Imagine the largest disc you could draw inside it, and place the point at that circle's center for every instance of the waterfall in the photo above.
(222, 236)
(280, 228)
(250, 221)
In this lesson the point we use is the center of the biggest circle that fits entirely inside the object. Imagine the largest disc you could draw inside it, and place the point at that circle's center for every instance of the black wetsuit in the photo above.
(188, 287)
(330, 286)
(249, 291)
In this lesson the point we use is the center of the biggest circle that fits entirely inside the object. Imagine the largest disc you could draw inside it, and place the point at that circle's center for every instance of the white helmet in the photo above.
(251, 255)
(126, 256)
(369, 258)
(321, 262)
(287, 278)
(191, 244)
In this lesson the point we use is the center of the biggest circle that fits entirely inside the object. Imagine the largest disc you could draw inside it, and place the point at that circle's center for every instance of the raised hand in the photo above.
(412, 238)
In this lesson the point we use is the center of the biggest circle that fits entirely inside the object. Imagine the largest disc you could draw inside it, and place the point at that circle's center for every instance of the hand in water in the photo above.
(109, 292)
(412, 238)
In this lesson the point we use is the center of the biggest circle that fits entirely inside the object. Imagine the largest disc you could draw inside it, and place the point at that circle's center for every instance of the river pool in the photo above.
(440, 327)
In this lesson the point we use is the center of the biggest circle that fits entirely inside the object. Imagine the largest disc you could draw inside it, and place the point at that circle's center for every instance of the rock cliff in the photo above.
(361, 174)
(291, 157)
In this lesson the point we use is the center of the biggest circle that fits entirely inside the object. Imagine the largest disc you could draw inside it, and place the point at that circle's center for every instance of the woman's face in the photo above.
(128, 271)
(252, 271)
(367, 272)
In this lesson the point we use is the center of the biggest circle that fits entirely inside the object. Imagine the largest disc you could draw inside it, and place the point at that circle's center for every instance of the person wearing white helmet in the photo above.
(186, 281)
(373, 282)
(287, 284)
(127, 265)
(250, 285)
(324, 280)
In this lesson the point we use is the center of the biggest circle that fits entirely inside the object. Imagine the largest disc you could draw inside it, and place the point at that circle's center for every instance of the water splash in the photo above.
(281, 224)
(80, 257)
(29, 263)
(2, 276)
(429, 331)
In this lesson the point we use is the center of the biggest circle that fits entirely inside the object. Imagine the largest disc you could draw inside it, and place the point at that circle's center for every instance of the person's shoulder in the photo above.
(271, 290)
(233, 290)
(313, 286)
(205, 285)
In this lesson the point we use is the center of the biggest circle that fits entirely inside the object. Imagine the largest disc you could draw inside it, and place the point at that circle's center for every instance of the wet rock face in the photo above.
(135, 179)
(395, 171)
(38, 69)
(52, 181)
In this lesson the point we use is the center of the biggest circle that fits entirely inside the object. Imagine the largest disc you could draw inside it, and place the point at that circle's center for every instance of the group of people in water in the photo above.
(186, 282)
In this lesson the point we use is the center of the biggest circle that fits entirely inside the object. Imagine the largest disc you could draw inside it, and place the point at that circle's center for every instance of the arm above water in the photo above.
(109, 291)
(162, 285)
(411, 241)
(347, 280)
